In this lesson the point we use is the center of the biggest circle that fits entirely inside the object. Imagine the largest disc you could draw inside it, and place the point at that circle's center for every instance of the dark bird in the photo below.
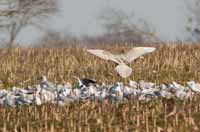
(85, 81)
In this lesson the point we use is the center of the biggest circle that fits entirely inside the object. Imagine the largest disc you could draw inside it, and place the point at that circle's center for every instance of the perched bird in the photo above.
(63, 90)
(44, 83)
(122, 59)
(10, 100)
(179, 91)
(133, 84)
(116, 91)
(145, 85)
(102, 95)
(193, 86)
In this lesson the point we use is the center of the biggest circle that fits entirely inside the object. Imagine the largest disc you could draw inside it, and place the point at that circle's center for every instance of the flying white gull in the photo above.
(122, 59)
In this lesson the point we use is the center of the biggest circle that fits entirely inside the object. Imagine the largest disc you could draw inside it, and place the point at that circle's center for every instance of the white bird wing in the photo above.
(103, 55)
(123, 70)
(136, 52)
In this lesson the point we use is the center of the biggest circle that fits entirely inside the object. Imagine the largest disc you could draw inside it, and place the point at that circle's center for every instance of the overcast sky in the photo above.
(80, 17)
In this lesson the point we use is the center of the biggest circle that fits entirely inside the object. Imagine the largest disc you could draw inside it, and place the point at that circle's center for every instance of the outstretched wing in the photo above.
(134, 53)
(103, 54)
(123, 70)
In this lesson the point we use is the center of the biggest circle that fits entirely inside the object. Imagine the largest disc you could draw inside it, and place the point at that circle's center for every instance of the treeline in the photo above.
(119, 27)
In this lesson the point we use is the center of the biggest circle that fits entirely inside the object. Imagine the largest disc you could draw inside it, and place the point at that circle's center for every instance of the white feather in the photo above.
(134, 53)
(104, 55)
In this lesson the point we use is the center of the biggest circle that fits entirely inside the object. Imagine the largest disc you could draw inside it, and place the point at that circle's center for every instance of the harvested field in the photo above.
(173, 62)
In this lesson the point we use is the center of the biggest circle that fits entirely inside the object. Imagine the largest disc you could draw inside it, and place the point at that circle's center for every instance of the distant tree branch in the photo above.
(17, 14)
(120, 27)
(193, 27)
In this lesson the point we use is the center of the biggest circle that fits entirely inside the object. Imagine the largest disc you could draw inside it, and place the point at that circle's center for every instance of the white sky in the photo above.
(80, 17)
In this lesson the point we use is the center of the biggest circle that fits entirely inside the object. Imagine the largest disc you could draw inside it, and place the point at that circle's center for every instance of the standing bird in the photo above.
(193, 86)
(122, 59)
(45, 84)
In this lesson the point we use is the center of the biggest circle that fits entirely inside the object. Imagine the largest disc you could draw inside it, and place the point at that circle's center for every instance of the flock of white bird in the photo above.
(88, 90)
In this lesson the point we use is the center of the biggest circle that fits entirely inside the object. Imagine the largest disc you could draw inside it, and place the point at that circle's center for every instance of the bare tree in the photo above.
(193, 26)
(119, 27)
(18, 14)
(56, 39)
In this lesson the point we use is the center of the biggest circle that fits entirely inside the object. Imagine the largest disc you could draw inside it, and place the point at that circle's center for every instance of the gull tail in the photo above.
(123, 70)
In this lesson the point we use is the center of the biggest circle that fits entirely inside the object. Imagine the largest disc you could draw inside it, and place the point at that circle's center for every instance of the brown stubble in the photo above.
(172, 62)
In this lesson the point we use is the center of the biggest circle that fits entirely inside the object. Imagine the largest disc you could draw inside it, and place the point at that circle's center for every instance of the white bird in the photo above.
(122, 59)
(127, 90)
(166, 94)
(133, 84)
(10, 100)
(103, 94)
(145, 85)
(193, 86)
(37, 97)
(47, 96)
(45, 84)
(64, 90)
(37, 100)
(116, 91)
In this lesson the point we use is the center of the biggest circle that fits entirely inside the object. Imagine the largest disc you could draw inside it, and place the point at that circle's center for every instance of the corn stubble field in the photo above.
(170, 62)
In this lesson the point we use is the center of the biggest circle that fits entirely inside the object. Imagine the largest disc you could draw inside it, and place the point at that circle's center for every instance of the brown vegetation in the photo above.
(170, 62)
(173, 62)
(106, 116)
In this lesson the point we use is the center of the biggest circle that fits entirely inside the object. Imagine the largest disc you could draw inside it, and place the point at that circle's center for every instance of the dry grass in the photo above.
(94, 116)
(168, 63)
